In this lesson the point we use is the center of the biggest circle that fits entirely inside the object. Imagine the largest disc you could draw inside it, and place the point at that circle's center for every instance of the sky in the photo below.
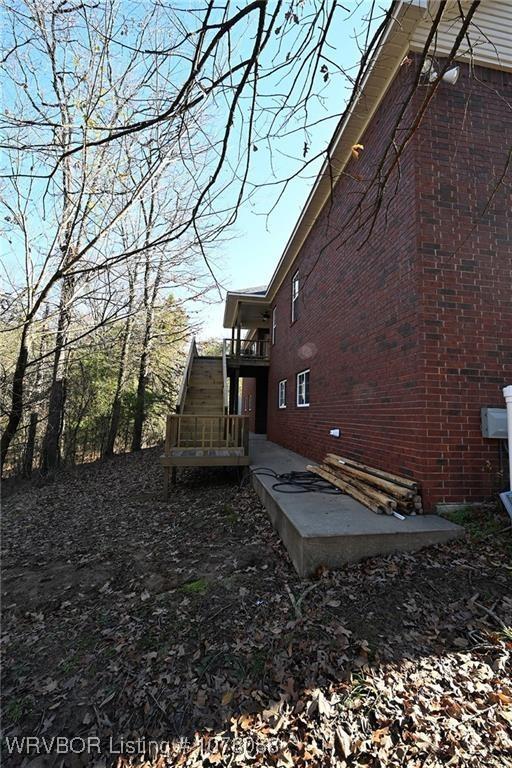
(250, 251)
(257, 242)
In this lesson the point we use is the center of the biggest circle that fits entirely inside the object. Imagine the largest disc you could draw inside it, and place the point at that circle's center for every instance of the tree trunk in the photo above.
(140, 402)
(150, 296)
(28, 458)
(115, 417)
(50, 453)
(121, 376)
(16, 397)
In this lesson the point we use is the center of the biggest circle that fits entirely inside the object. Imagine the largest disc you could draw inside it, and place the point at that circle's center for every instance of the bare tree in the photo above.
(67, 84)
(109, 107)
(123, 361)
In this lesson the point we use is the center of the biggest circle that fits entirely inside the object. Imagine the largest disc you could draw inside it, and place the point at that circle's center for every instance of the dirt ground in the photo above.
(178, 633)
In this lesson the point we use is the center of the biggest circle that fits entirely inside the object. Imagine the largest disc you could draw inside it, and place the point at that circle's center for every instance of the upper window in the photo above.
(295, 296)
(282, 394)
(303, 389)
(274, 324)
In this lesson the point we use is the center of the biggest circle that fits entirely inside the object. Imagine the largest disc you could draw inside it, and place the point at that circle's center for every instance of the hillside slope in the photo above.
(124, 616)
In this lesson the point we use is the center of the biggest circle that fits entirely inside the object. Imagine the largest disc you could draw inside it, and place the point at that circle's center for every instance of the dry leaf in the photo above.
(344, 741)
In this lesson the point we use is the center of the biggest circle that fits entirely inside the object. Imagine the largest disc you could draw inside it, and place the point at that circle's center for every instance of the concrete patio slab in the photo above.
(319, 529)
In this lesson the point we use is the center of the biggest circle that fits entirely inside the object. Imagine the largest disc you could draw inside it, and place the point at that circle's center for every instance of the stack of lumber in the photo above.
(382, 492)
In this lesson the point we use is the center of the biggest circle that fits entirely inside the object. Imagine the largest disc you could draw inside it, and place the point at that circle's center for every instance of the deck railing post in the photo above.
(215, 431)
(246, 436)
(168, 428)
(170, 442)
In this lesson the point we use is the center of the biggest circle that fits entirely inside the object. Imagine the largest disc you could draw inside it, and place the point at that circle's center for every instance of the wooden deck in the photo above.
(241, 353)
(202, 432)
(204, 440)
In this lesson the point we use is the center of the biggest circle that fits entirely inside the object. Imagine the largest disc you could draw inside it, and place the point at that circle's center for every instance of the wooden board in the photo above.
(398, 479)
(205, 461)
(397, 491)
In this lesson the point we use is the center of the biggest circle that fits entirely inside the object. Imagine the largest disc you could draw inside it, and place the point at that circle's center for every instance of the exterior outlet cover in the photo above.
(494, 422)
(335, 432)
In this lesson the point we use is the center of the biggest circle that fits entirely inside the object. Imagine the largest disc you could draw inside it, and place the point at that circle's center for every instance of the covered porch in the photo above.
(247, 351)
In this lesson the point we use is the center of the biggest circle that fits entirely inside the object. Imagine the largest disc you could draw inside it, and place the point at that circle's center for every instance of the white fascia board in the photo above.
(381, 72)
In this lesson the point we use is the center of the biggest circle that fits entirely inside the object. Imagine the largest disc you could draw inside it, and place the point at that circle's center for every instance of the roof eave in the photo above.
(390, 54)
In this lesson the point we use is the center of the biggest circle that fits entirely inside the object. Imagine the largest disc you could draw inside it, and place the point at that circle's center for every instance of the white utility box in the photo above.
(494, 422)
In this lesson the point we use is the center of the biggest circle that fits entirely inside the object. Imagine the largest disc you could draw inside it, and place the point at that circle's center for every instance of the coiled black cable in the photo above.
(296, 482)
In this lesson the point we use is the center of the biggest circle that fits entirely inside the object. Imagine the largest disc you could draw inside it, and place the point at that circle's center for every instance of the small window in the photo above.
(282, 394)
(274, 324)
(250, 402)
(303, 389)
(295, 296)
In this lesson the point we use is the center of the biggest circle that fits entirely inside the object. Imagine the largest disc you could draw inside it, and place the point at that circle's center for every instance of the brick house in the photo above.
(396, 327)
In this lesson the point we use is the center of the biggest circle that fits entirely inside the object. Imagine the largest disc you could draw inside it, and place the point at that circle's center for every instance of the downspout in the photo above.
(507, 394)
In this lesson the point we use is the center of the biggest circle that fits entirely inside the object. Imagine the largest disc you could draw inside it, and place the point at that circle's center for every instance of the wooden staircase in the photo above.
(205, 391)
(204, 397)
(202, 432)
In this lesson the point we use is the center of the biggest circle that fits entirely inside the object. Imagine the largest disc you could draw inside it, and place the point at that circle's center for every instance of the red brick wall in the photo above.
(248, 390)
(465, 253)
(404, 339)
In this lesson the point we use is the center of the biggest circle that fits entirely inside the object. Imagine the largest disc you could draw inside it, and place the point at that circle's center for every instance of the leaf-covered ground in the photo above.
(179, 634)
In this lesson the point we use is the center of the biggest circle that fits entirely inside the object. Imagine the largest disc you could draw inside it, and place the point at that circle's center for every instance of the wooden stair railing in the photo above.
(192, 353)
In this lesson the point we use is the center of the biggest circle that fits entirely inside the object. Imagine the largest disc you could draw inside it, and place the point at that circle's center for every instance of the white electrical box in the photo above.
(507, 501)
(494, 422)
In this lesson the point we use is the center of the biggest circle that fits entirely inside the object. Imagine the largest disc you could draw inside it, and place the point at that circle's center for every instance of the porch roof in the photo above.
(248, 308)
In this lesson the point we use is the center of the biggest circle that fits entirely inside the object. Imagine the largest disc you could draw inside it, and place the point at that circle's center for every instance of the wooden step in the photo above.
(207, 366)
(208, 359)
(207, 372)
(204, 408)
(211, 386)
(207, 378)
(204, 387)
(212, 397)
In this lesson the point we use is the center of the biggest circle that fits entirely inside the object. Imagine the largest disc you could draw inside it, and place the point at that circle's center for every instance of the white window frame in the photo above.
(281, 389)
(295, 294)
(303, 385)
(274, 325)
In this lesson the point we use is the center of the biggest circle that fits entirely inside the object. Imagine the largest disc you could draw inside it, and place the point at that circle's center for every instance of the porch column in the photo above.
(261, 405)
(234, 379)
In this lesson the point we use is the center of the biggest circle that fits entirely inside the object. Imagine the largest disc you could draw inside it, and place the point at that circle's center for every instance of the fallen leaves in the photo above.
(227, 697)
(186, 623)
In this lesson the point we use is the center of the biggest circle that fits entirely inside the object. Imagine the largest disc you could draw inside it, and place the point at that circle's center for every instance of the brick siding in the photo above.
(407, 328)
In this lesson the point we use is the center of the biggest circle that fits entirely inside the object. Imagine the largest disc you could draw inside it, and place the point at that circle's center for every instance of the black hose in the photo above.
(296, 482)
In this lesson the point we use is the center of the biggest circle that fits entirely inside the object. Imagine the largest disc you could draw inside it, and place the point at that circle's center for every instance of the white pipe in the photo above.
(507, 394)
